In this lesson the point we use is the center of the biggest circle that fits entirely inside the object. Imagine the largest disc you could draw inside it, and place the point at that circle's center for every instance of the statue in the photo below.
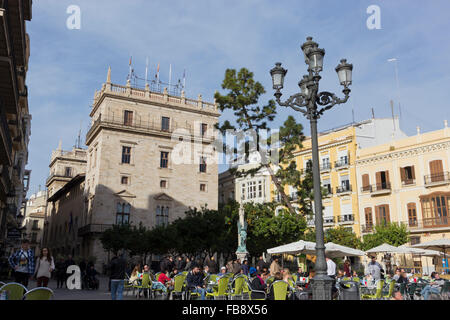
(242, 235)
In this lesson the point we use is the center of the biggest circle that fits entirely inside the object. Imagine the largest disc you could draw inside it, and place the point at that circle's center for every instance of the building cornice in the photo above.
(405, 153)
(324, 146)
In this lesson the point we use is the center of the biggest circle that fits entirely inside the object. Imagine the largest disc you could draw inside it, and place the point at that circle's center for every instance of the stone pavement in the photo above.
(66, 294)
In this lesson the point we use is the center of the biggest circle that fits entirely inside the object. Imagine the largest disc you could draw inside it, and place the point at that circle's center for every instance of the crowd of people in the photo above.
(43, 267)
(26, 266)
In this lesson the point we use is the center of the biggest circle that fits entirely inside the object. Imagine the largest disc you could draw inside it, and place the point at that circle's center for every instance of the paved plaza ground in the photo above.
(66, 294)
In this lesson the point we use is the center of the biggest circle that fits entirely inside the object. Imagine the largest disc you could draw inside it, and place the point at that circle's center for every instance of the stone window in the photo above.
(164, 163)
(162, 215)
(202, 164)
(126, 154)
(203, 187)
(124, 180)
(123, 213)
(165, 123)
(163, 184)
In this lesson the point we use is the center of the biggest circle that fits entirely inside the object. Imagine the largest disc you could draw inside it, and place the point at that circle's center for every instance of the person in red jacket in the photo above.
(165, 280)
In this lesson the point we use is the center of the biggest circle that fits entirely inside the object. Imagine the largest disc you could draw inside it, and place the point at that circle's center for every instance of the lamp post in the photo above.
(312, 103)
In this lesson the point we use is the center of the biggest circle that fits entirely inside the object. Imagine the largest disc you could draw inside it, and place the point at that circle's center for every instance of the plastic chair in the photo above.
(40, 293)
(280, 289)
(255, 291)
(178, 286)
(237, 287)
(270, 280)
(391, 290)
(15, 290)
(222, 290)
(377, 295)
(146, 284)
(2, 284)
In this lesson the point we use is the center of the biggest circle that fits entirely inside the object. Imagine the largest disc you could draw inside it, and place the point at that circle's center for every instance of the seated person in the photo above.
(300, 273)
(173, 273)
(194, 281)
(270, 295)
(166, 281)
(134, 277)
(433, 287)
(222, 272)
(257, 282)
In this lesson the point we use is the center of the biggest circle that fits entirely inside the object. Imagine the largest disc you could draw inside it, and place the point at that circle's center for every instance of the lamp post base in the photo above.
(321, 287)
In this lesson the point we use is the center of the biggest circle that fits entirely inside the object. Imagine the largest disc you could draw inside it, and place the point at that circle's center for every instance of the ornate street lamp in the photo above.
(312, 103)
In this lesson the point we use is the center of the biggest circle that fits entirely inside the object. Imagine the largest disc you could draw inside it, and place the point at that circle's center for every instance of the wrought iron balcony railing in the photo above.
(438, 178)
(344, 189)
(342, 163)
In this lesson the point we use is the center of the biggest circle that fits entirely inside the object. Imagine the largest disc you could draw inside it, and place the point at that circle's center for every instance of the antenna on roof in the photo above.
(373, 114)
(78, 141)
(392, 108)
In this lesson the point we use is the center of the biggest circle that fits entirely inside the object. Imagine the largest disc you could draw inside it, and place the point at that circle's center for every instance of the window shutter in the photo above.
(378, 178)
(365, 181)
(368, 214)
(377, 215)
(403, 174)
(413, 173)
(387, 176)
(388, 218)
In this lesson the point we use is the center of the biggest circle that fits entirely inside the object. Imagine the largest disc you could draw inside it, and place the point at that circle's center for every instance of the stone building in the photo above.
(407, 180)
(66, 212)
(34, 217)
(65, 200)
(150, 158)
(15, 118)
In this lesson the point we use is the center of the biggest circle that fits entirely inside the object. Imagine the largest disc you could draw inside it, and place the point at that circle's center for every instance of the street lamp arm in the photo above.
(329, 100)
(296, 102)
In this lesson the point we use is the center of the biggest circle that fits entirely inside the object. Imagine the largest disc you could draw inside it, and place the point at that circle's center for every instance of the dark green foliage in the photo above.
(391, 233)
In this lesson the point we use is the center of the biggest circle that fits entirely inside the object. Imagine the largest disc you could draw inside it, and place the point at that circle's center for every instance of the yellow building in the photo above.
(337, 152)
(407, 180)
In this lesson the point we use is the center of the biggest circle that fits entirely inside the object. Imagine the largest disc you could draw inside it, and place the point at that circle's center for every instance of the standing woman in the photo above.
(44, 267)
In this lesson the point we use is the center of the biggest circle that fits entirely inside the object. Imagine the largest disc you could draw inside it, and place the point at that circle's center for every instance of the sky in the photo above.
(205, 37)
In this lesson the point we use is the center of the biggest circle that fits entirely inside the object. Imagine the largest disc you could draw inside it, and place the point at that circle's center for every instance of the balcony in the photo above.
(67, 177)
(325, 167)
(438, 179)
(342, 164)
(93, 228)
(5, 133)
(346, 219)
(329, 221)
(344, 190)
(408, 182)
(380, 189)
(116, 122)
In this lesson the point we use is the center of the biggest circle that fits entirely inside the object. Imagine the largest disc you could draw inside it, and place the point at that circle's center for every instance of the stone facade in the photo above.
(34, 217)
(134, 133)
(66, 200)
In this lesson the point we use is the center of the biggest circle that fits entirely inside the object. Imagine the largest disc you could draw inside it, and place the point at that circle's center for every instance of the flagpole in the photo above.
(184, 79)
(146, 71)
(170, 75)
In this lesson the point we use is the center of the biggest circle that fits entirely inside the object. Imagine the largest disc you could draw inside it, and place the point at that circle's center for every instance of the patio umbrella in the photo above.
(439, 244)
(384, 248)
(421, 252)
(334, 250)
(297, 247)
(306, 247)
